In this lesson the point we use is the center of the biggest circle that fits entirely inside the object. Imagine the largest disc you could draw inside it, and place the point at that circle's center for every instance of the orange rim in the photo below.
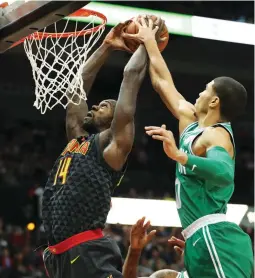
(79, 13)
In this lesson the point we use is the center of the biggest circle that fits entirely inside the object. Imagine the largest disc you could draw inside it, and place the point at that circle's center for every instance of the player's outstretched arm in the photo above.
(218, 164)
(160, 75)
(122, 128)
(76, 113)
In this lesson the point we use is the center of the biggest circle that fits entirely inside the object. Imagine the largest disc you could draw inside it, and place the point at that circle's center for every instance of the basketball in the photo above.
(133, 29)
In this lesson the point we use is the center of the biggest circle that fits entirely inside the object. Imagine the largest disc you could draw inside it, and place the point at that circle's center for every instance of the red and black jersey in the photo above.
(78, 192)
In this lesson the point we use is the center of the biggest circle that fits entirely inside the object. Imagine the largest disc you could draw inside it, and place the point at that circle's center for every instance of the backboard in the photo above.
(22, 18)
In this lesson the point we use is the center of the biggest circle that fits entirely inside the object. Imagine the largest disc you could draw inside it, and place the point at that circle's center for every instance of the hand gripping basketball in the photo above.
(115, 39)
(146, 28)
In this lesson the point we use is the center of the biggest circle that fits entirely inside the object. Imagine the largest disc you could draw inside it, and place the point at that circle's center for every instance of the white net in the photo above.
(57, 64)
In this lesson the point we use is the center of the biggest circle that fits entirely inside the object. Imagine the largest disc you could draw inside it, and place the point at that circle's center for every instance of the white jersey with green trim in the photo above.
(195, 196)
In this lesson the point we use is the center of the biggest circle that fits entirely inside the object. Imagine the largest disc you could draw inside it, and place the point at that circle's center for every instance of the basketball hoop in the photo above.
(57, 64)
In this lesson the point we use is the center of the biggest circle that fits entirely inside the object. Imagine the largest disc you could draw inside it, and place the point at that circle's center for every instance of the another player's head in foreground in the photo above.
(223, 96)
(100, 117)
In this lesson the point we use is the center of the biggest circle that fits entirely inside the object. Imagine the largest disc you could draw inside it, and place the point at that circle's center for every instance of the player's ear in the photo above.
(215, 101)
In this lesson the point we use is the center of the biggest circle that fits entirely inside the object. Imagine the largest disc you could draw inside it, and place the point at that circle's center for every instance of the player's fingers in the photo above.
(141, 221)
(137, 23)
(151, 127)
(137, 225)
(124, 47)
(163, 126)
(129, 36)
(159, 131)
(126, 23)
(151, 235)
(150, 22)
(170, 134)
(178, 250)
(155, 30)
(161, 24)
(143, 21)
(138, 221)
(121, 26)
(176, 241)
(154, 132)
(160, 138)
(147, 225)
(157, 21)
(173, 240)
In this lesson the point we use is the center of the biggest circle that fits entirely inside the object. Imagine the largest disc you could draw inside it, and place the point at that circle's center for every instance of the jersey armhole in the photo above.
(187, 128)
(231, 138)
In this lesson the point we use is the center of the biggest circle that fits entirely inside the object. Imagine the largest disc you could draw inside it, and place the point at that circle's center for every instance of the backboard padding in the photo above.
(33, 16)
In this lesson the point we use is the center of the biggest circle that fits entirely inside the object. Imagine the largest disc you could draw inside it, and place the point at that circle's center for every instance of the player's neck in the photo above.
(92, 130)
(209, 119)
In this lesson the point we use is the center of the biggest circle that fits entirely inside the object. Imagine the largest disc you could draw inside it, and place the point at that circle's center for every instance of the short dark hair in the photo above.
(232, 95)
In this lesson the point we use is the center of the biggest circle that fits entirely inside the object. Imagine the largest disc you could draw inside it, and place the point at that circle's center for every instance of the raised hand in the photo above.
(115, 39)
(146, 31)
(166, 136)
(160, 23)
(178, 244)
(139, 237)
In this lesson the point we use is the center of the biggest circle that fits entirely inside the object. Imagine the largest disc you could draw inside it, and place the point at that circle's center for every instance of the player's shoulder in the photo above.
(216, 136)
(216, 131)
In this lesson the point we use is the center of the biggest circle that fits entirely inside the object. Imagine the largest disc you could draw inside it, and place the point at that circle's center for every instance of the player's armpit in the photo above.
(122, 127)
(186, 114)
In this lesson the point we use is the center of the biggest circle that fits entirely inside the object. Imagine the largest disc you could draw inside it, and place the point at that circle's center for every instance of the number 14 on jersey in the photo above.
(62, 171)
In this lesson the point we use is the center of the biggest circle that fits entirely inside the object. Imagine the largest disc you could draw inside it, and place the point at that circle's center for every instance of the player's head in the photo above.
(223, 94)
(100, 117)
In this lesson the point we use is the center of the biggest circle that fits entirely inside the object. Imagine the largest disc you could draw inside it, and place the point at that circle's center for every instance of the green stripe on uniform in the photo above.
(211, 253)
(215, 252)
